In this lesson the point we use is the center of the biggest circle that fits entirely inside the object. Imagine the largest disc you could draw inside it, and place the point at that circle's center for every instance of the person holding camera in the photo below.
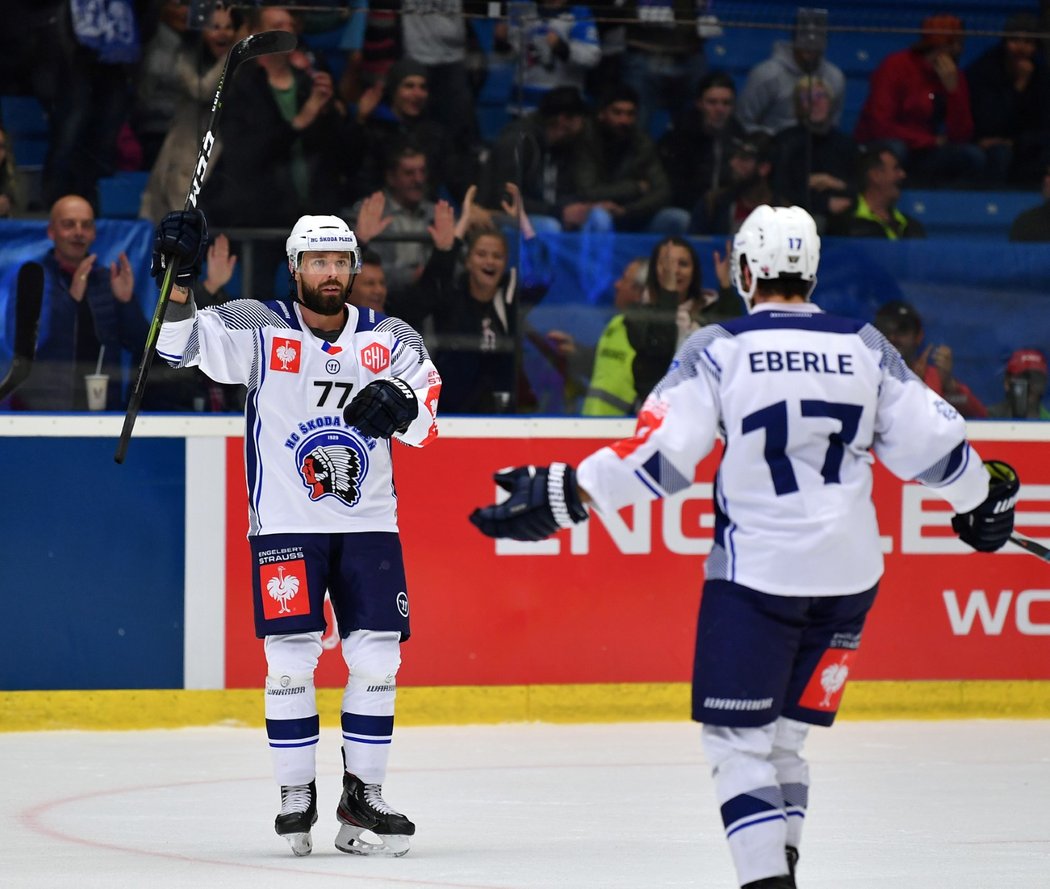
(1025, 385)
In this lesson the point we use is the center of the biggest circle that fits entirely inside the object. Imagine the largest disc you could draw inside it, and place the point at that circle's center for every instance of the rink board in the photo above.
(136, 576)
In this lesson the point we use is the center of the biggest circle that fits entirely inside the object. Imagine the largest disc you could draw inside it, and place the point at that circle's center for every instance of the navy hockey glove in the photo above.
(382, 408)
(542, 500)
(987, 527)
(182, 238)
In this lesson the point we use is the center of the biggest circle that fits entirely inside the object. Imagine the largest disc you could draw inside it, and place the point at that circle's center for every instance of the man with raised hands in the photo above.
(802, 400)
(329, 386)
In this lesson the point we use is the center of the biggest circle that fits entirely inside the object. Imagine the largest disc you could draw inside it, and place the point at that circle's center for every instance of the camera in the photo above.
(1018, 396)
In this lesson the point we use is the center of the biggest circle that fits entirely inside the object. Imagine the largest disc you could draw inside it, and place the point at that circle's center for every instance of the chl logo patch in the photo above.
(828, 682)
(375, 357)
(284, 589)
(284, 354)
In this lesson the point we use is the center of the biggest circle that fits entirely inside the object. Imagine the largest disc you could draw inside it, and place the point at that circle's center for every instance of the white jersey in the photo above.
(801, 399)
(307, 471)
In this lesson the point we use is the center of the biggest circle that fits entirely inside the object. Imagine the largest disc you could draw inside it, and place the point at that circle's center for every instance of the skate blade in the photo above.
(301, 843)
(359, 841)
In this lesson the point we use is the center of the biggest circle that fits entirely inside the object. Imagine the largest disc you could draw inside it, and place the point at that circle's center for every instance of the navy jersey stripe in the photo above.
(774, 320)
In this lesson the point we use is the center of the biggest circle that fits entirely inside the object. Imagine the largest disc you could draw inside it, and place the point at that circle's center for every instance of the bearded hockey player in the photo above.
(802, 400)
(329, 386)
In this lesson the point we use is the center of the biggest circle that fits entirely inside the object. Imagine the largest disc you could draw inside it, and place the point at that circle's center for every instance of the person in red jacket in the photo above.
(919, 102)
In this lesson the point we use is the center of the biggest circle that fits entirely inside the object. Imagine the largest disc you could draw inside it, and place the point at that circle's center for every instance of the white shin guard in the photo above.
(292, 724)
(750, 799)
(373, 659)
(792, 773)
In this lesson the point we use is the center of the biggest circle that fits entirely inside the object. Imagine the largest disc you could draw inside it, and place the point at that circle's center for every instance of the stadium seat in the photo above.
(982, 214)
(119, 195)
(23, 116)
(27, 127)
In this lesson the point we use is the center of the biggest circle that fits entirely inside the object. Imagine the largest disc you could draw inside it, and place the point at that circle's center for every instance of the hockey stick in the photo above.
(252, 46)
(29, 297)
(1036, 549)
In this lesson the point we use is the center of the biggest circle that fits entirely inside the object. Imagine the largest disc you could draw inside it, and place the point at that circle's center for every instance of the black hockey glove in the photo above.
(542, 500)
(382, 408)
(182, 238)
(988, 527)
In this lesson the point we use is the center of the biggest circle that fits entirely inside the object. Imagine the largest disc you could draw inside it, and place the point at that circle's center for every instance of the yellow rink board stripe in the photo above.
(461, 705)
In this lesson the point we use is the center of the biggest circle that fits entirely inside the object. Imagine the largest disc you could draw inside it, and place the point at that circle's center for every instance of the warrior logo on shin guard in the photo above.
(332, 464)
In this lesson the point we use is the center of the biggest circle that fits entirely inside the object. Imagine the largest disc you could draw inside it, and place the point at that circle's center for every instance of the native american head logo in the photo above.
(332, 464)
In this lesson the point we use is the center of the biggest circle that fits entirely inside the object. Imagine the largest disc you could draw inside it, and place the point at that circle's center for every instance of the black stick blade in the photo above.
(1036, 549)
(29, 296)
(261, 44)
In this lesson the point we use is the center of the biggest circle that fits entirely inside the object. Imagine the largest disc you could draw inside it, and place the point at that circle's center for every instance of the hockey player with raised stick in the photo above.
(329, 386)
(802, 400)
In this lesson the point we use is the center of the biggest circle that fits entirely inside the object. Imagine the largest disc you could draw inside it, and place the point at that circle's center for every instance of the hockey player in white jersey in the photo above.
(329, 386)
(802, 400)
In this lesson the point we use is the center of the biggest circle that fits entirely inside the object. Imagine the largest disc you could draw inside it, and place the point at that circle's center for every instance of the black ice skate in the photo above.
(784, 882)
(771, 883)
(368, 826)
(792, 857)
(298, 815)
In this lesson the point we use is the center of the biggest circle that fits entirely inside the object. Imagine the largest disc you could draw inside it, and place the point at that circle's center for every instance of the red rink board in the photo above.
(619, 605)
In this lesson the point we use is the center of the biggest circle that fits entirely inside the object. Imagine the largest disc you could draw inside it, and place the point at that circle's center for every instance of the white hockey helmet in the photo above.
(775, 242)
(325, 233)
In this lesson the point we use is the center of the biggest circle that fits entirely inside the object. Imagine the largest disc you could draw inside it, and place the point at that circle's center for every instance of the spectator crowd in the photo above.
(616, 124)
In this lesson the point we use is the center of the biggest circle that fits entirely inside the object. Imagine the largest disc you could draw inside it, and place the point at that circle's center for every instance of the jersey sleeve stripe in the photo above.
(948, 468)
(889, 358)
(644, 479)
(246, 314)
(664, 475)
(406, 337)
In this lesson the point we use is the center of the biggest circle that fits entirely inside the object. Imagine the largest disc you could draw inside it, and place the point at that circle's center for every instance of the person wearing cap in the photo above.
(619, 169)
(330, 386)
(403, 116)
(540, 151)
(919, 103)
(1025, 386)
(901, 324)
(721, 212)
(1034, 224)
(1010, 101)
(767, 101)
(875, 213)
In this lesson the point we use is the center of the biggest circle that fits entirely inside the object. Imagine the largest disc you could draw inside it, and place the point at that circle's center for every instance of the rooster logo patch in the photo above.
(284, 355)
(332, 464)
(284, 589)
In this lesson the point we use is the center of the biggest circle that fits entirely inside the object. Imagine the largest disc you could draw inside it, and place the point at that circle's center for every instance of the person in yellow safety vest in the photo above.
(611, 391)
(636, 346)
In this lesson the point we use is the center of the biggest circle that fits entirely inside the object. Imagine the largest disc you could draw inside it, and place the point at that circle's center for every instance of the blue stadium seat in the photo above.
(23, 116)
(119, 195)
(984, 214)
(499, 83)
(29, 151)
(27, 127)
(738, 50)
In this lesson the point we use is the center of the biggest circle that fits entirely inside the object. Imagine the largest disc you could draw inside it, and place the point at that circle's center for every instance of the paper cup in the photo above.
(96, 385)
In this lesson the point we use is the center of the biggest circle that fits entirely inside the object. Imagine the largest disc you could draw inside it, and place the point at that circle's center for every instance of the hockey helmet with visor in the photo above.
(327, 234)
